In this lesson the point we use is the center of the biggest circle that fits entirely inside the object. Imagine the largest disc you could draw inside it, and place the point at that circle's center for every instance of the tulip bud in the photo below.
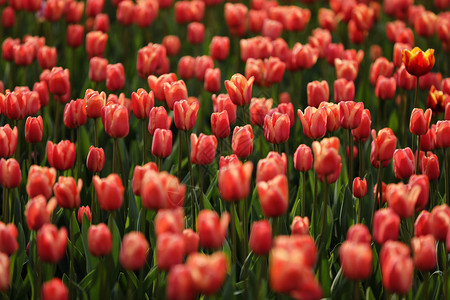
(259, 108)
(268, 168)
(442, 137)
(220, 124)
(383, 147)
(208, 271)
(61, 156)
(300, 226)
(314, 122)
(115, 120)
(430, 166)
(234, 180)
(191, 240)
(439, 221)
(346, 68)
(97, 69)
(109, 191)
(359, 187)
(59, 83)
(219, 47)
(356, 260)
(138, 175)
(115, 77)
(350, 114)
(51, 243)
(276, 128)
(186, 67)
(134, 250)
(10, 173)
(170, 250)
(195, 33)
(381, 67)
(67, 192)
(74, 36)
(239, 89)
(386, 224)
(75, 113)
(96, 43)
(95, 160)
(8, 238)
(317, 92)
(175, 91)
(54, 289)
(242, 141)
(261, 237)
(404, 163)
(212, 230)
(273, 196)
(84, 211)
(34, 128)
(47, 57)
(385, 88)
(40, 181)
(169, 221)
(303, 158)
(172, 44)
(424, 252)
(180, 284)
(223, 102)
(203, 149)
(162, 143)
(362, 132)
(8, 141)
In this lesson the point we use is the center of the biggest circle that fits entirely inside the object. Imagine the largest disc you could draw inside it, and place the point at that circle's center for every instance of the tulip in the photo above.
(273, 196)
(75, 113)
(219, 47)
(362, 132)
(300, 226)
(185, 114)
(212, 230)
(317, 92)
(430, 166)
(161, 190)
(162, 143)
(276, 128)
(327, 161)
(134, 250)
(8, 238)
(37, 211)
(51, 243)
(95, 160)
(10, 173)
(5, 272)
(385, 225)
(405, 80)
(138, 175)
(259, 108)
(347, 69)
(403, 163)
(195, 33)
(305, 56)
(8, 141)
(109, 191)
(96, 43)
(239, 89)
(333, 122)
(356, 260)
(402, 199)
(74, 11)
(220, 124)
(202, 63)
(115, 77)
(54, 289)
(422, 182)
(67, 192)
(242, 141)
(424, 252)
(385, 88)
(191, 239)
(180, 284)
(47, 57)
(59, 83)
(273, 70)
(74, 36)
(203, 149)
(381, 67)
(223, 102)
(350, 114)
(397, 273)
(212, 80)
(234, 180)
(61, 156)
(169, 221)
(261, 237)
(442, 137)
(420, 122)
(175, 91)
(303, 158)
(288, 109)
(152, 59)
(40, 181)
(18, 104)
(84, 211)
(34, 128)
(417, 62)
(255, 68)
(359, 187)
(101, 23)
(398, 55)
(170, 250)
(42, 89)
(8, 17)
(24, 54)
(383, 147)
(208, 271)
(115, 120)
(359, 234)
(186, 67)
(314, 122)
(422, 224)
(171, 42)
(439, 221)
(94, 103)
(125, 12)
(268, 168)
(158, 119)
(97, 69)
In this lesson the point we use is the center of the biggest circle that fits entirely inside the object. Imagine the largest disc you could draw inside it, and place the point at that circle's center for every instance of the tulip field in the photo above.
(210, 149)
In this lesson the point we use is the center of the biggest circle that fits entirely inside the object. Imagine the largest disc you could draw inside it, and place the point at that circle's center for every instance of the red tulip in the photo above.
(4, 272)
(185, 114)
(223, 102)
(8, 17)
(97, 69)
(94, 103)
(84, 211)
(172, 44)
(202, 63)
(346, 68)
(134, 250)
(67, 192)
(404, 163)
(362, 132)
(442, 137)
(359, 187)
(96, 43)
(115, 120)
(152, 59)
(59, 83)
(314, 122)
(397, 273)
(161, 190)
(276, 128)
(47, 57)
(51, 243)
(195, 33)
(203, 149)
(212, 230)
(125, 12)
(422, 224)
(10, 173)
(350, 114)
(327, 161)
(359, 233)
(191, 240)
(398, 55)
(94, 7)
(158, 119)
(38, 211)
(417, 62)
(170, 250)
(42, 89)
(74, 11)
(356, 260)
(34, 128)
(8, 238)
(255, 68)
(208, 271)
(75, 113)
(273, 70)
(74, 35)
(109, 191)
(385, 88)
(138, 175)
(234, 180)
(242, 141)
(18, 104)
(142, 103)
(239, 89)
(186, 67)
(317, 92)
(300, 226)
(61, 156)
(219, 47)
(381, 67)
(169, 221)
(386, 225)
(383, 147)
(40, 181)
(333, 122)
(95, 160)
(220, 124)
(430, 166)
(402, 199)
(180, 284)
(327, 19)
(288, 109)
(212, 80)
(115, 77)
(99, 240)
(424, 252)
(303, 158)
(305, 56)
(273, 196)
(268, 168)
(162, 142)
(259, 108)
(24, 54)
(54, 289)
(175, 91)
(261, 237)
(439, 221)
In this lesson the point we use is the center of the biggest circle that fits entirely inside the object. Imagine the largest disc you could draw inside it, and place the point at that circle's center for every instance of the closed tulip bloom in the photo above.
(8, 141)
(300, 226)
(402, 199)
(96, 43)
(115, 120)
(67, 192)
(169, 221)
(134, 250)
(259, 108)
(211, 229)
(273, 70)
(74, 36)
(40, 181)
(439, 221)
(97, 69)
(109, 191)
(8, 48)
(385, 88)
(305, 56)
(422, 224)
(95, 160)
(186, 67)
(10, 173)
(99, 240)
(34, 129)
(212, 80)
(75, 113)
(51, 243)
(383, 147)
(381, 67)
(261, 237)
(175, 91)
(276, 128)
(18, 104)
(115, 77)
(42, 89)
(417, 62)
(47, 57)
(162, 143)
(202, 63)
(54, 289)
(142, 103)
(333, 122)
(346, 68)
(359, 187)
(430, 166)
(8, 238)
(170, 250)
(356, 260)
(158, 119)
(61, 156)
(185, 114)
(138, 175)
(386, 224)
(405, 80)
(234, 181)
(223, 102)
(8, 17)
(350, 114)
(424, 252)
(191, 239)
(38, 211)
(84, 211)
(442, 137)
(24, 54)
(74, 11)
(195, 33)
(404, 163)
(303, 158)
(420, 122)
(180, 284)
(314, 122)
(125, 13)
(317, 92)
(94, 7)
(208, 271)
(359, 233)
(239, 89)
(362, 132)
(203, 149)
(219, 47)
(397, 273)
(288, 109)
(220, 124)
(327, 161)
(5, 272)
(101, 23)
(423, 183)
(58, 82)
(94, 103)
(268, 168)
(242, 141)
(273, 196)
(172, 44)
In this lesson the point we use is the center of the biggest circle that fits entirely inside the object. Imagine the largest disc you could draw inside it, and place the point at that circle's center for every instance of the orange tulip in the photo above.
(417, 62)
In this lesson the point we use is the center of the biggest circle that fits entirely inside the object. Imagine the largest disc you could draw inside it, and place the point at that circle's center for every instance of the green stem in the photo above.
(57, 116)
(5, 205)
(324, 213)
(180, 157)
(191, 175)
(72, 291)
(303, 194)
(143, 219)
(359, 210)
(426, 283)
(361, 160)
(233, 238)
(417, 92)
(418, 154)
(356, 291)
(350, 159)
(445, 270)
(201, 183)
(114, 157)
(78, 152)
(314, 212)
(96, 132)
(102, 275)
(94, 206)
(130, 288)
(144, 137)
(379, 187)
(141, 284)
(30, 151)
(447, 170)
(261, 137)
(159, 163)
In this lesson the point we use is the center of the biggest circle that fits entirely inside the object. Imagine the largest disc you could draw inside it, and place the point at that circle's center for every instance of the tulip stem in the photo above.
(418, 154)
(201, 169)
(417, 91)
(94, 205)
(119, 156)
(191, 175)
(72, 250)
(180, 157)
(56, 127)
(359, 210)
(447, 169)
(425, 283)
(379, 187)
(350, 159)
(114, 157)
(356, 291)
(5, 205)
(233, 237)
(102, 275)
(30, 151)
(324, 214)
(143, 219)
(96, 132)
(445, 271)
(303, 194)
(159, 163)
(314, 212)
(361, 160)
(78, 152)
(144, 137)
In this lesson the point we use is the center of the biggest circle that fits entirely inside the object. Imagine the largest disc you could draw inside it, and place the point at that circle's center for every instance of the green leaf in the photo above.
(116, 239)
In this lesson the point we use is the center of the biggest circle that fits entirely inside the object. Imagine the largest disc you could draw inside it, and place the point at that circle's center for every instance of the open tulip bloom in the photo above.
(199, 149)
